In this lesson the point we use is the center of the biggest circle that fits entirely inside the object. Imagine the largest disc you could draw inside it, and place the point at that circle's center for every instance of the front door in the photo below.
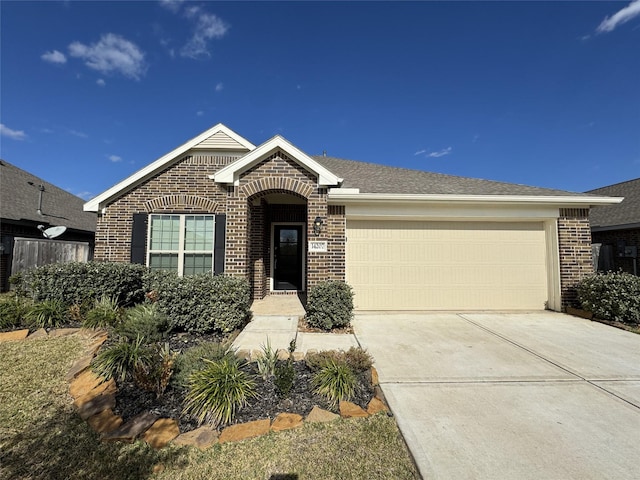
(287, 257)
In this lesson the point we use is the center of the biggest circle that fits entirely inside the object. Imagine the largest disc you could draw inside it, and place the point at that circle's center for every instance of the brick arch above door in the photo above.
(282, 184)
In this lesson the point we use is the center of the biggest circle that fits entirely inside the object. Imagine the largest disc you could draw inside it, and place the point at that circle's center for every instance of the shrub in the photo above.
(77, 282)
(218, 392)
(120, 359)
(47, 314)
(330, 305)
(285, 373)
(318, 360)
(12, 312)
(105, 313)
(611, 296)
(145, 321)
(153, 375)
(194, 359)
(335, 381)
(356, 358)
(201, 303)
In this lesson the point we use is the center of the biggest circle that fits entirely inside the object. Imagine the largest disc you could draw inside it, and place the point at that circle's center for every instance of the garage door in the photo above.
(401, 265)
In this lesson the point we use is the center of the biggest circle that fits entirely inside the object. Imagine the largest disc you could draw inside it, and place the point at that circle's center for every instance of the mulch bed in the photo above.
(132, 400)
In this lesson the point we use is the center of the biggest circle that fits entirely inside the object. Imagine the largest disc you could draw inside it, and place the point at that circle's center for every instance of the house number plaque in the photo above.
(318, 246)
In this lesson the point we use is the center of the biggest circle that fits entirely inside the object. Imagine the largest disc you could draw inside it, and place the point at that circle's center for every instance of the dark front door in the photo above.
(287, 257)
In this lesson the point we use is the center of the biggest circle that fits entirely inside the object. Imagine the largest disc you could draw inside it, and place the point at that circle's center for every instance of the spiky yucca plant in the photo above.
(335, 381)
(122, 358)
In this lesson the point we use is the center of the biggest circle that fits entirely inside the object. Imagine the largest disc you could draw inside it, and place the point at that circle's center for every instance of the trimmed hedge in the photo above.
(611, 296)
(78, 283)
(201, 303)
(330, 305)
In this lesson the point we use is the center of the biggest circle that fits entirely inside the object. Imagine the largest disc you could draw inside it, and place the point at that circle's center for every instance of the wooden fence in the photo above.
(34, 252)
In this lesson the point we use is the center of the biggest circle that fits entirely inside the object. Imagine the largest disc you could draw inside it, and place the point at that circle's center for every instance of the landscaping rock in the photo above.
(63, 332)
(95, 345)
(91, 333)
(374, 377)
(283, 355)
(105, 421)
(376, 405)
(106, 388)
(40, 333)
(15, 335)
(203, 438)
(132, 429)
(377, 393)
(244, 355)
(286, 421)
(243, 431)
(161, 433)
(78, 367)
(84, 383)
(319, 415)
(97, 405)
(298, 356)
(351, 410)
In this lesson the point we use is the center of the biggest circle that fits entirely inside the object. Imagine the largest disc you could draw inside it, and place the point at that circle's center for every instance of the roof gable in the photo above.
(626, 214)
(231, 173)
(218, 137)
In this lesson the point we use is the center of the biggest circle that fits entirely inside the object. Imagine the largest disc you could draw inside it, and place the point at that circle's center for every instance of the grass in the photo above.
(41, 437)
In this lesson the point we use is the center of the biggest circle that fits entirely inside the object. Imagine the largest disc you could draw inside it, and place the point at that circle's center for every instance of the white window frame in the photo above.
(181, 238)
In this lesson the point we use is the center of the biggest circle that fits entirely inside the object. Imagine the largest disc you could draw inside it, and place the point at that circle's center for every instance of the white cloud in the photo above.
(420, 152)
(112, 54)
(172, 5)
(77, 133)
(199, 113)
(629, 12)
(114, 158)
(14, 134)
(219, 87)
(208, 27)
(101, 82)
(54, 57)
(84, 195)
(440, 153)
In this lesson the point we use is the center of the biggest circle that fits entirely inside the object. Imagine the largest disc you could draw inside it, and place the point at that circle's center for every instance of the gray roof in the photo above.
(19, 201)
(623, 214)
(375, 178)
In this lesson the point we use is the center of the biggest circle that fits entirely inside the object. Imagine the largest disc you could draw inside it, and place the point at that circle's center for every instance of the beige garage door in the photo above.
(446, 265)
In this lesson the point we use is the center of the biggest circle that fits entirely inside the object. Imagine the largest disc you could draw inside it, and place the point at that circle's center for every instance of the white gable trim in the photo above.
(231, 173)
(97, 203)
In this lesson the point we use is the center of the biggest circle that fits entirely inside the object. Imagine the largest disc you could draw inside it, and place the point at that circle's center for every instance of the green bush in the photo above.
(154, 375)
(105, 313)
(201, 303)
(356, 358)
(47, 314)
(335, 381)
(77, 282)
(330, 305)
(285, 373)
(12, 312)
(611, 296)
(194, 359)
(122, 358)
(218, 392)
(146, 321)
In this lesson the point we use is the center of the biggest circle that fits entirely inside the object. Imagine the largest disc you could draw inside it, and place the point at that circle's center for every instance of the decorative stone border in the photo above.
(94, 398)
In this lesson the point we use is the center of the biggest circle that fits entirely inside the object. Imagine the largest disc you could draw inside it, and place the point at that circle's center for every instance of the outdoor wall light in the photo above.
(317, 225)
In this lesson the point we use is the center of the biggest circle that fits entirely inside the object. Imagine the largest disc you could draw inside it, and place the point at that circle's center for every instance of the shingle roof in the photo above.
(375, 178)
(625, 213)
(19, 201)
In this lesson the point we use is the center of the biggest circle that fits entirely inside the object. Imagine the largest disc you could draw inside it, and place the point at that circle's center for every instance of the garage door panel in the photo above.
(446, 265)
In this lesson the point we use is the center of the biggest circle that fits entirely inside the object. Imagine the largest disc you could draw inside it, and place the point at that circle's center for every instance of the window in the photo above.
(181, 242)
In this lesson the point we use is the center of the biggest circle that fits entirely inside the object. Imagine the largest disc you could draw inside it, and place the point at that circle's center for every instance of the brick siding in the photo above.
(631, 238)
(574, 239)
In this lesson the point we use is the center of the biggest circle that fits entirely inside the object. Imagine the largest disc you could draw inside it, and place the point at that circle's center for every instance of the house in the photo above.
(616, 228)
(404, 239)
(28, 202)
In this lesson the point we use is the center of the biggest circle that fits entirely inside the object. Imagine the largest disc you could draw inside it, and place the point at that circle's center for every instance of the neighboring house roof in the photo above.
(623, 215)
(19, 199)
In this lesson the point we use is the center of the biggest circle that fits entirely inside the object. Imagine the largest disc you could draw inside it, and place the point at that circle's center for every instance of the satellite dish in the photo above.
(52, 232)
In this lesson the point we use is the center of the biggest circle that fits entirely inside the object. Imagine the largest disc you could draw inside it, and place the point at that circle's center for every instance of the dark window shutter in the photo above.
(139, 238)
(218, 244)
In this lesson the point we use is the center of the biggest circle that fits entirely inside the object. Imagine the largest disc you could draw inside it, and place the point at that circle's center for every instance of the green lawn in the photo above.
(42, 438)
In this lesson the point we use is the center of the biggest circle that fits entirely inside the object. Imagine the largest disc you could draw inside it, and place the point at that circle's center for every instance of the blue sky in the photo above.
(539, 93)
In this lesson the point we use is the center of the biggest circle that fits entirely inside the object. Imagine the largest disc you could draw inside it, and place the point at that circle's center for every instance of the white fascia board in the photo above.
(336, 197)
(97, 202)
(231, 173)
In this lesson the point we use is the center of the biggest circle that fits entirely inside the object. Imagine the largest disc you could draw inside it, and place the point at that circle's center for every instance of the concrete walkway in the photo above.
(275, 318)
(510, 396)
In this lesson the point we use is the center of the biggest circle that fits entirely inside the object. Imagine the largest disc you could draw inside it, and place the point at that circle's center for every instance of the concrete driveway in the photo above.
(510, 396)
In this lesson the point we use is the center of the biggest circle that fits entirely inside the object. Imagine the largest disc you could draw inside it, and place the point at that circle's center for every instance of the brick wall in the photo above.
(630, 236)
(183, 187)
(574, 241)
